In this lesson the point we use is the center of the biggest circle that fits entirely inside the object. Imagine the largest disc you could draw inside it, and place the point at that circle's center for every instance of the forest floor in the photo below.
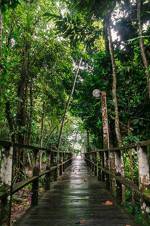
(21, 203)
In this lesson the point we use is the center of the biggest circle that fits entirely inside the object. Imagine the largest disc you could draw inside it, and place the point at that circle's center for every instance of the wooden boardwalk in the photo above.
(77, 199)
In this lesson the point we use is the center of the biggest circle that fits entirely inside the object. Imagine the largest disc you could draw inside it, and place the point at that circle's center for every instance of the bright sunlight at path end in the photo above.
(78, 198)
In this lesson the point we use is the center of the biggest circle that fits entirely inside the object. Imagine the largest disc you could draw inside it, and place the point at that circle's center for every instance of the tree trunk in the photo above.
(106, 141)
(21, 117)
(30, 111)
(114, 87)
(22, 97)
(105, 32)
(10, 121)
(141, 42)
(67, 106)
(23, 87)
(1, 29)
(42, 125)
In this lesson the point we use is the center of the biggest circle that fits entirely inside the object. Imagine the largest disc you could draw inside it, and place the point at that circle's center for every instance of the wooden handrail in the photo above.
(35, 148)
(128, 183)
(18, 186)
(56, 170)
(141, 143)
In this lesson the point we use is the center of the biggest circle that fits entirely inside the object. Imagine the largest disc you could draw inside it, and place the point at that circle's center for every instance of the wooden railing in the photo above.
(122, 169)
(49, 172)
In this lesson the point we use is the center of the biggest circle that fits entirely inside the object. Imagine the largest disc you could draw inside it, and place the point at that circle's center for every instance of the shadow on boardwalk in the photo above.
(77, 199)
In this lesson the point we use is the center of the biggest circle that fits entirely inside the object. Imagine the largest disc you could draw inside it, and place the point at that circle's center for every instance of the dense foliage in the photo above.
(131, 91)
(53, 54)
(40, 42)
(36, 74)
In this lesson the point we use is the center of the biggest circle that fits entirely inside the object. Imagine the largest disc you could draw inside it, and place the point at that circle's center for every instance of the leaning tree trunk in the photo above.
(114, 87)
(21, 117)
(66, 108)
(141, 42)
(115, 101)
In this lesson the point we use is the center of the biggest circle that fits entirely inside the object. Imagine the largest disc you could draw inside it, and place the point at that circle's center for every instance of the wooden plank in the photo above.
(77, 199)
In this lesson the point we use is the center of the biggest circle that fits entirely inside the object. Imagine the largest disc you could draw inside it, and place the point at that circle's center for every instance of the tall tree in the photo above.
(106, 12)
(141, 42)
(114, 86)
(68, 104)
(1, 24)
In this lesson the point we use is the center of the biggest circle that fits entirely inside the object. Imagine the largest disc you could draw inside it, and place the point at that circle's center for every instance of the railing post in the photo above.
(35, 153)
(55, 174)
(52, 164)
(63, 166)
(6, 167)
(56, 171)
(112, 169)
(47, 179)
(4, 210)
(86, 156)
(62, 161)
(6, 179)
(144, 174)
(143, 165)
(93, 166)
(60, 167)
(48, 175)
(95, 161)
(119, 166)
(99, 167)
(71, 156)
(35, 183)
(90, 165)
(107, 176)
(131, 153)
(91, 159)
(52, 159)
(103, 165)
(35, 187)
(101, 174)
